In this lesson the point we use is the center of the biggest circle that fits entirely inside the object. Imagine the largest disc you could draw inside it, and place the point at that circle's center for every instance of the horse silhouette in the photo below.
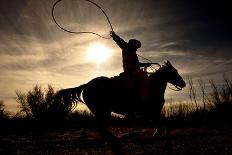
(104, 95)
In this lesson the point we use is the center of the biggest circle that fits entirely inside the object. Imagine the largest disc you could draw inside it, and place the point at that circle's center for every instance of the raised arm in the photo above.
(120, 42)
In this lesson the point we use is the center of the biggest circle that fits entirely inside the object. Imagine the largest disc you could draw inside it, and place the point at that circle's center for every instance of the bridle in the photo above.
(177, 88)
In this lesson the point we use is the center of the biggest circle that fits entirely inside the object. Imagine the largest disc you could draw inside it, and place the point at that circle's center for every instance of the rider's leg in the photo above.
(144, 81)
(145, 88)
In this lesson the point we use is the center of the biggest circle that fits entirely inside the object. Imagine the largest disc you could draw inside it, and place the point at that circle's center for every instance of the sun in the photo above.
(98, 53)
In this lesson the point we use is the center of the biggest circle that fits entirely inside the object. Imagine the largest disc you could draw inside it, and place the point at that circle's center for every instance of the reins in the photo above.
(177, 88)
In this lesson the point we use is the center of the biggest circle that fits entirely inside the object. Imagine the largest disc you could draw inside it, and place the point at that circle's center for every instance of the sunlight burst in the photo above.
(98, 53)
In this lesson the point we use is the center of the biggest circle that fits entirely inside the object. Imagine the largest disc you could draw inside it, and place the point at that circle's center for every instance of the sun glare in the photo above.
(98, 53)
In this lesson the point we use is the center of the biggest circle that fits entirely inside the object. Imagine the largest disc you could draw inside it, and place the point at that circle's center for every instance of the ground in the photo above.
(137, 141)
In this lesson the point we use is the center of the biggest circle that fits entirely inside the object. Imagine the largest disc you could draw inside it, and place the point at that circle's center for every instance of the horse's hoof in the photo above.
(155, 132)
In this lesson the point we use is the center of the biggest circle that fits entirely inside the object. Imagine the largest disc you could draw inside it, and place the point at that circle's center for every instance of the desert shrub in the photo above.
(221, 95)
(205, 104)
(221, 99)
(180, 110)
(3, 114)
(216, 104)
(39, 104)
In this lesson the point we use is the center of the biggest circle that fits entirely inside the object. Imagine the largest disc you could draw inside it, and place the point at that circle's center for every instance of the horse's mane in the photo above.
(157, 71)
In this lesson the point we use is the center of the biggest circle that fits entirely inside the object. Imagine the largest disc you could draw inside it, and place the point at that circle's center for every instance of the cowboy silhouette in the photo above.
(131, 64)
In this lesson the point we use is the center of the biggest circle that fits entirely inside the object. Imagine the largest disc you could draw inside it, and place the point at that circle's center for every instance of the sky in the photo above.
(195, 36)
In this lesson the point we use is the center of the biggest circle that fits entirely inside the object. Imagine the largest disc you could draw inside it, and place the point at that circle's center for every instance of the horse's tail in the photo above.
(68, 98)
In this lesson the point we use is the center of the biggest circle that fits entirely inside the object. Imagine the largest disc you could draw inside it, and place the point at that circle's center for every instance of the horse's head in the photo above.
(172, 76)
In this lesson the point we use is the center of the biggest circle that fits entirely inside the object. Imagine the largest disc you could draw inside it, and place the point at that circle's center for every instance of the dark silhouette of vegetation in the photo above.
(212, 107)
(221, 100)
(38, 104)
(3, 114)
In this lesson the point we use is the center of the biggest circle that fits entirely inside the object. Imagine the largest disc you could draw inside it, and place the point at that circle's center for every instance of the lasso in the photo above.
(79, 32)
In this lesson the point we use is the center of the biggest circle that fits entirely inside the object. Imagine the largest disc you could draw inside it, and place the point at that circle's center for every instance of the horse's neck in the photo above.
(158, 84)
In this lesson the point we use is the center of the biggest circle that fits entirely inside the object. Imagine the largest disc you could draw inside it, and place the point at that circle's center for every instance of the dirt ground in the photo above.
(136, 141)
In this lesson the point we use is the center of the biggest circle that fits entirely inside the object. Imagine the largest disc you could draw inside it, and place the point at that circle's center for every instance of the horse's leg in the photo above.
(168, 136)
(163, 129)
(102, 126)
(160, 129)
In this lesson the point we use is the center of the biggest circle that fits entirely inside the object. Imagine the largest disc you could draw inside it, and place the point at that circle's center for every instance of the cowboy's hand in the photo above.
(112, 34)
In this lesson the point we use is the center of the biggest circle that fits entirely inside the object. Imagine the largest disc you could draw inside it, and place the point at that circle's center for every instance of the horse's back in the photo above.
(96, 92)
(110, 94)
(96, 87)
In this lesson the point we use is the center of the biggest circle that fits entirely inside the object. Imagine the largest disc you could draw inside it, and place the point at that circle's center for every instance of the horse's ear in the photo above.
(167, 62)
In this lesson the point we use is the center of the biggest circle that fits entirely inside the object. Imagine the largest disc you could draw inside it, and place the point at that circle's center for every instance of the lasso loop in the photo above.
(77, 32)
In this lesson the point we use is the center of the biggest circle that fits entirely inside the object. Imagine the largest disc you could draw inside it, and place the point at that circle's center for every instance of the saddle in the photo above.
(127, 82)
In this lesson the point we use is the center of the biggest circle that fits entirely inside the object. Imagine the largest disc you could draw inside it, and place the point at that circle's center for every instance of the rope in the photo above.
(145, 58)
(150, 62)
(79, 32)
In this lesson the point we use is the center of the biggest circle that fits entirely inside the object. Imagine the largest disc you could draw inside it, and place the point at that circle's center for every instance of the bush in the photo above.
(3, 113)
(39, 105)
(221, 100)
(213, 105)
